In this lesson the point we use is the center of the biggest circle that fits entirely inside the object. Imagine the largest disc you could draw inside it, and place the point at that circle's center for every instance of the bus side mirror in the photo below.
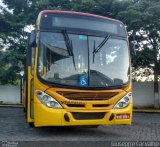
(133, 47)
(133, 43)
(32, 39)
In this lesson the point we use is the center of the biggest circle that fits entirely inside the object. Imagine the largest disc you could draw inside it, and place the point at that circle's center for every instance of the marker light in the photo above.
(47, 99)
(124, 102)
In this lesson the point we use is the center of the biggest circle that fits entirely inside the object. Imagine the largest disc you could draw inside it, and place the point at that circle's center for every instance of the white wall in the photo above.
(9, 94)
(143, 94)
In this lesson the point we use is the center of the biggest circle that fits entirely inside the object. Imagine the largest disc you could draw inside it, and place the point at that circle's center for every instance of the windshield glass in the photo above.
(107, 67)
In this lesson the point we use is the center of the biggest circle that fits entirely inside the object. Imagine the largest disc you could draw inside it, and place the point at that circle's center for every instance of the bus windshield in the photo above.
(108, 66)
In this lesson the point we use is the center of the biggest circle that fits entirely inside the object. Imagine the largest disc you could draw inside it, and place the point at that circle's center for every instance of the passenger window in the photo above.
(33, 49)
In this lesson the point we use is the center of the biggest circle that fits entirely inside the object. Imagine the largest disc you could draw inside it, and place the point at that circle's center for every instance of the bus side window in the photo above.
(33, 49)
(49, 59)
(41, 60)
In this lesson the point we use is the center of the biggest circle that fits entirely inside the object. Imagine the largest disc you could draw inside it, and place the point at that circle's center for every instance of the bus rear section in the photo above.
(78, 71)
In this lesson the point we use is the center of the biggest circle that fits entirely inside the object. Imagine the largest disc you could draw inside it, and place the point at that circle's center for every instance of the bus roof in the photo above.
(78, 13)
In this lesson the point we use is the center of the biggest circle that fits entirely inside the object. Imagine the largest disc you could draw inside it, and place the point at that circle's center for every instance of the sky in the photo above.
(1, 3)
(27, 28)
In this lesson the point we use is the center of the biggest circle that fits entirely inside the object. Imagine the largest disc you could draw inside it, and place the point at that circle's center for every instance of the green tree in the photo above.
(13, 41)
(143, 20)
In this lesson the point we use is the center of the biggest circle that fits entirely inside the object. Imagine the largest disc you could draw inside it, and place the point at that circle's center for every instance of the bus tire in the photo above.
(31, 124)
(89, 126)
(24, 110)
(92, 126)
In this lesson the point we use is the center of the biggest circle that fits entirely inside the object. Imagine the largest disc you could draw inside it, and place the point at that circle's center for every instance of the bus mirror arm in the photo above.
(133, 45)
(32, 39)
(133, 48)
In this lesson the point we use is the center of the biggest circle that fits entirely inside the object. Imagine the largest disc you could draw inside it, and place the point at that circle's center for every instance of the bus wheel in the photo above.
(31, 125)
(24, 109)
(89, 126)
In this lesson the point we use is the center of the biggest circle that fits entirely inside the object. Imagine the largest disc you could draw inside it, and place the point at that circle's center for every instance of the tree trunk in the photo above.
(156, 89)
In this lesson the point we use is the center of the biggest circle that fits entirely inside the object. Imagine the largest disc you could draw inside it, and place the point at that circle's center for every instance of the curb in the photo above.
(147, 110)
(12, 105)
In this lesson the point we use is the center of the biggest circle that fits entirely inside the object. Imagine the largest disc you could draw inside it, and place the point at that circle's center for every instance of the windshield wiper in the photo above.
(69, 46)
(96, 49)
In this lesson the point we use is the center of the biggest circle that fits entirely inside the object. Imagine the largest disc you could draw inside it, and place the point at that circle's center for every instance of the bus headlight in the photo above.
(47, 99)
(124, 102)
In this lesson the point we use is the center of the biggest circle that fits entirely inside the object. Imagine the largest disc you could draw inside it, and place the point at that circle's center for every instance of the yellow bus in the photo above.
(78, 71)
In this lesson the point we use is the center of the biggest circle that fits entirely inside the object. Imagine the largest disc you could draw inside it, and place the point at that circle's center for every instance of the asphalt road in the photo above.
(13, 127)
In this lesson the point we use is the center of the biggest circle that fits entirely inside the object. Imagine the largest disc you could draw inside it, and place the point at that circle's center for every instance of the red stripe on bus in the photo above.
(79, 13)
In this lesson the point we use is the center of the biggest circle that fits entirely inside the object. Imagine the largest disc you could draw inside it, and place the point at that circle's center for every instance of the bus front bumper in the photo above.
(44, 116)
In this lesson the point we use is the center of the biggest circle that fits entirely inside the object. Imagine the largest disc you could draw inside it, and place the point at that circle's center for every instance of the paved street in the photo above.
(13, 126)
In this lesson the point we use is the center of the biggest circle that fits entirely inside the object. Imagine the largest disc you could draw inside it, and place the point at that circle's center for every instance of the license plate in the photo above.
(122, 116)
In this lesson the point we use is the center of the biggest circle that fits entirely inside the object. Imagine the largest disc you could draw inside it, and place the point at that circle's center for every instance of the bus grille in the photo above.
(100, 105)
(88, 116)
(87, 96)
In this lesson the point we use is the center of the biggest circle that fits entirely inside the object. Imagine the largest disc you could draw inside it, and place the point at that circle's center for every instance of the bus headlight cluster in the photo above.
(47, 99)
(124, 102)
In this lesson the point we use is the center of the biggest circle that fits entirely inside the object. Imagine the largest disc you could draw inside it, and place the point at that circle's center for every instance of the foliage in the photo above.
(141, 17)
(12, 42)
